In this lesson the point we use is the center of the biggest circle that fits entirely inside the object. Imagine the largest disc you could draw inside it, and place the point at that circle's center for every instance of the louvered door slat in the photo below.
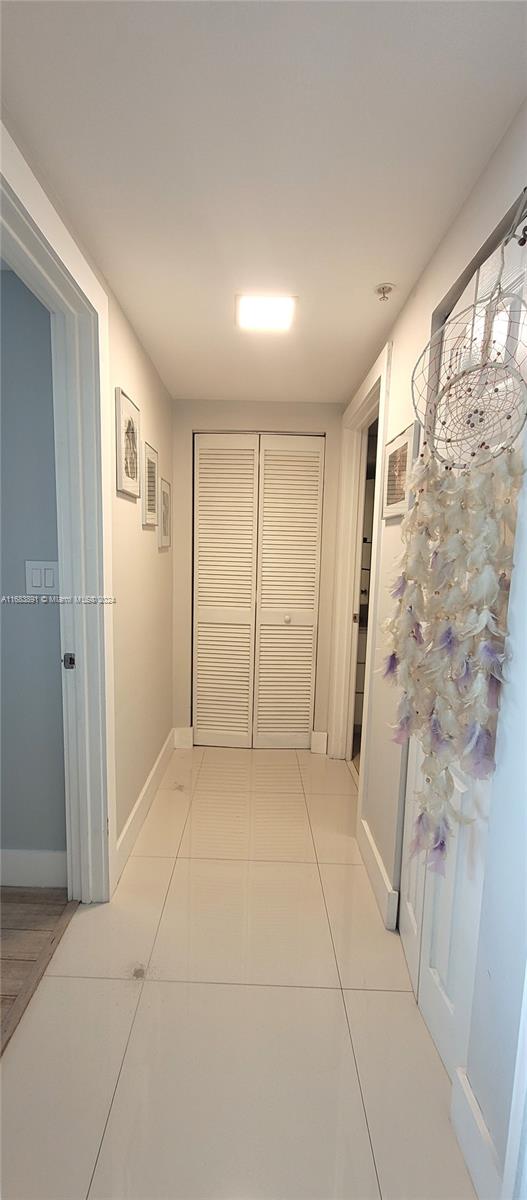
(225, 539)
(290, 513)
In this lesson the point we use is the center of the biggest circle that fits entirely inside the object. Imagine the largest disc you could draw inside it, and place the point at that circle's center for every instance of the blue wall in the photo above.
(33, 808)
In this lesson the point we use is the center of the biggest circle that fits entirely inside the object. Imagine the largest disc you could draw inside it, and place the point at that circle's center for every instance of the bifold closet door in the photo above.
(225, 544)
(290, 517)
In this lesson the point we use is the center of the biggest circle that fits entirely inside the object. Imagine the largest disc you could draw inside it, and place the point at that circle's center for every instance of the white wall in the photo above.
(33, 801)
(142, 581)
(203, 416)
(501, 955)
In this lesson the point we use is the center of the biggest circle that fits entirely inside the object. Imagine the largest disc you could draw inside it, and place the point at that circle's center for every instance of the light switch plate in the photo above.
(42, 578)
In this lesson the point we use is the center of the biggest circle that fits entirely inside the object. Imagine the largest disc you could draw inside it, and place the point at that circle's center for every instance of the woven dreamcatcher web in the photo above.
(469, 389)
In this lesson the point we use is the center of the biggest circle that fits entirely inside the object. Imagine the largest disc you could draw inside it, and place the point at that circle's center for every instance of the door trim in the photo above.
(39, 248)
(372, 398)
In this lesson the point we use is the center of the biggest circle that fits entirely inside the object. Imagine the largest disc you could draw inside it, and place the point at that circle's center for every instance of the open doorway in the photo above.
(362, 593)
(33, 825)
(48, 269)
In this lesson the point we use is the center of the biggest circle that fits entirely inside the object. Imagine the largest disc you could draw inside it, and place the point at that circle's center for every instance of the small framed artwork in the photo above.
(128, 441)
(150, 485)
(165, 515)
(399, 456)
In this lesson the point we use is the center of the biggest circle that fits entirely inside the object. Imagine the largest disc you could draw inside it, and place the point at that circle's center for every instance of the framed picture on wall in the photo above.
(399, 456)
(150, 486)
(165, 515)
(128, 442)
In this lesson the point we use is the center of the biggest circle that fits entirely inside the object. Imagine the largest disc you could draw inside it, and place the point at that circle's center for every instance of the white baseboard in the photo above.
(474, 1138)
(353, 772)
(34, 868)
(319, 742)
(387, 898)
(184, 738)
(130, 833)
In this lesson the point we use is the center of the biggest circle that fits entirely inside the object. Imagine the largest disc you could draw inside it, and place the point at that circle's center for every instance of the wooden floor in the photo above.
(32, 923)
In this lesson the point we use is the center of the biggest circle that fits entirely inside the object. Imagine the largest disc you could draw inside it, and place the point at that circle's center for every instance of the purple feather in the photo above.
(437, 737)
(465, 677)
(491, 658)
(437, 853)
(390, 666)
(421, 834)
(417, 633)
(478, 759)
(403, 731)
(448, 640)
(397, 591)
(493, 696)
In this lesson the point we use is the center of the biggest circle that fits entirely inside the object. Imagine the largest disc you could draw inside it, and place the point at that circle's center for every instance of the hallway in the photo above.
(237, 1022)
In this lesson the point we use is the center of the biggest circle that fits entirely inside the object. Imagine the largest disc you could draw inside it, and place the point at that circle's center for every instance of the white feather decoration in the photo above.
(447, 635)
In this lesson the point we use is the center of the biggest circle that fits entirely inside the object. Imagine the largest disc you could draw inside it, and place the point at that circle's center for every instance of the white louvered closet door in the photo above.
(290, 516)
(225, 544)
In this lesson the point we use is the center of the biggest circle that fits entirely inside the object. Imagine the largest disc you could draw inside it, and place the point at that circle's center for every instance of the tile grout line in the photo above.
(132, 1024)
(110, 1106)
(346, 1017)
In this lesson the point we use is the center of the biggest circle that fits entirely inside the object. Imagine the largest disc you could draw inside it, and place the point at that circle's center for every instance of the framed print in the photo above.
(128, 441)
(399, 456)
(150, 485)
(165, 515)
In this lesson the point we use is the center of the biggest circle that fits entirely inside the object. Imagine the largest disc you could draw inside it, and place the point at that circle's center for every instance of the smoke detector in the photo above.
(384, 290)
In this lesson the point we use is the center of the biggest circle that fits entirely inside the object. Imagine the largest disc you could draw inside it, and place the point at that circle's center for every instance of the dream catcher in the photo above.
(448, 632)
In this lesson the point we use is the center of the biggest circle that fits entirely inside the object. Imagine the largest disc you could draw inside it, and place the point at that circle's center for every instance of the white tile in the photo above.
(407, 1096)
(183, 770)
(237, 1092)
(115, 939)
(58, 1076)
(368, 955)
(333, 822)
(161, 832)
(250, 770)
(325, 775)
(258, 825)
(244, 922)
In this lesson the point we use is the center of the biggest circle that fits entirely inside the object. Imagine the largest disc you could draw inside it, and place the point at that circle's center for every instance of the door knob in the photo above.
(287, 620)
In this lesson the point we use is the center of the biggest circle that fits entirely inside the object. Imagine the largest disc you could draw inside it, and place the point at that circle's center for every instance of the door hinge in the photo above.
(68, 661)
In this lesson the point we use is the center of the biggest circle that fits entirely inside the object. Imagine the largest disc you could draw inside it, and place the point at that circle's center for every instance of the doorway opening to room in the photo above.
(34, 893)
(361, 606)
(57, 732)
(361, 612)
(257, 541)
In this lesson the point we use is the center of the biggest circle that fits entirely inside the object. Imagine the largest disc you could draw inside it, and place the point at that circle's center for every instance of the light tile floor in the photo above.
(237, 1023)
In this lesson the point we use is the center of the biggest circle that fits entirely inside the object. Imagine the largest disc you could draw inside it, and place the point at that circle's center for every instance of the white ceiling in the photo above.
(202, 149)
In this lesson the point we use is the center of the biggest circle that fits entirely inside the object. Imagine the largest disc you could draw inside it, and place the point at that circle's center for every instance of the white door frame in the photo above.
(39, 248)
(370, 400)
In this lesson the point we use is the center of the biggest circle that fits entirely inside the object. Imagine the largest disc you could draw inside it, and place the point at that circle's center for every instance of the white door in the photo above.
(290, 517)
(451, 913)
(225, 544)
(413, 869)
(439, 917)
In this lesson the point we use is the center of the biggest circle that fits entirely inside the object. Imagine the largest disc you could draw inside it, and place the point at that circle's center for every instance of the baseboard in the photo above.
(353, 772)
(474, 1138)
(387, 898)
(129, 835)
(34, 868)
(184, 738)
(319, 742)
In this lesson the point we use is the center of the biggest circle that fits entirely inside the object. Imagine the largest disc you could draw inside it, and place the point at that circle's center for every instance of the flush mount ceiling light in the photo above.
(272, 314)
